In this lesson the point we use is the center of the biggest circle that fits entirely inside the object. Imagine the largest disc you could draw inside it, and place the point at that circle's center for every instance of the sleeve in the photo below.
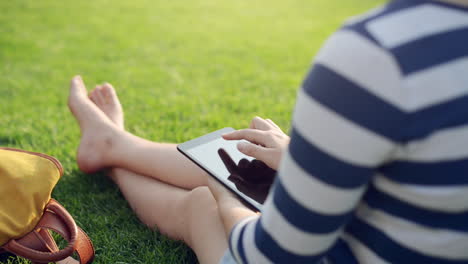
(343, 128)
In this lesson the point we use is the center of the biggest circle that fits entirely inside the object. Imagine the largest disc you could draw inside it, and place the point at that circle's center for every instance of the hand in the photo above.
(269, 141)
(253, 178)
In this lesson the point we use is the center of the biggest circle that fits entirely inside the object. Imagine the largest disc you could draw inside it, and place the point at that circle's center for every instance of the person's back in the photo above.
(416, 208)
(379, 147)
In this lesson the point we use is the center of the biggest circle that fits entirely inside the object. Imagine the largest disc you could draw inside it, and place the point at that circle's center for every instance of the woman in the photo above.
(376, 170)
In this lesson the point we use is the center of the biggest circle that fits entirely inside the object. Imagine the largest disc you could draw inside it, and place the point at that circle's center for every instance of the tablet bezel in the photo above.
(186, 146)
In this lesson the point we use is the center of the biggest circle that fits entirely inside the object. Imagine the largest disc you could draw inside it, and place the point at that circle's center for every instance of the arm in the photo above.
(336, 142)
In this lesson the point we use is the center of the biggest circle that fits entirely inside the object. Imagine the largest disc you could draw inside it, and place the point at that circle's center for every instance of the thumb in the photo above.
(256, 151)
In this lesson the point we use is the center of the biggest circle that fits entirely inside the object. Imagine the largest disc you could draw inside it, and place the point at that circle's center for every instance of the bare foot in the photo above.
(105, 97)
(97, 130)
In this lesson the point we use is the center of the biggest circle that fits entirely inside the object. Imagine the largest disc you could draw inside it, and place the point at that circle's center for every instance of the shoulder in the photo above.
(406, 42)
(416, 33)
(395, 60)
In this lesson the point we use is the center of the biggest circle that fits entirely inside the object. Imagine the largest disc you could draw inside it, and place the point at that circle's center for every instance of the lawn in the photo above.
(181, 69)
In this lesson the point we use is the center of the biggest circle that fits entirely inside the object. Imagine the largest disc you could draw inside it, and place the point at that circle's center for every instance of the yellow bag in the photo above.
(27, 210)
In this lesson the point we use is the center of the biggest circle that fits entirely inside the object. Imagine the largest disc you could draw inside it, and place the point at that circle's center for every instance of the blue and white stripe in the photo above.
(377, 167)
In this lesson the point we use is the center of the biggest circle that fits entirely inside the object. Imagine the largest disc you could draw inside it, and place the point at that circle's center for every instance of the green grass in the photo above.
(181, 68)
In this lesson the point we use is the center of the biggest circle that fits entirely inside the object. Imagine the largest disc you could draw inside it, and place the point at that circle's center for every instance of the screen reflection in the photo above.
(253, 178)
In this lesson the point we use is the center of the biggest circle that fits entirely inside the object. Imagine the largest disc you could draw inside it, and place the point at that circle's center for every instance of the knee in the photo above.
(198, 200)
(200, 205)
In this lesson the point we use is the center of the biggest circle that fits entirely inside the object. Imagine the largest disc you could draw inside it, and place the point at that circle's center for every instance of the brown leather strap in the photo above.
(84, 247)
(40, 247)
(66, 227)
(39, 240)
(48, 240)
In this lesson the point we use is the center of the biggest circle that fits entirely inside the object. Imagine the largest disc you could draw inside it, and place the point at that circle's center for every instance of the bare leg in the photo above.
(104, 144)
(140, 190)
(191, 216)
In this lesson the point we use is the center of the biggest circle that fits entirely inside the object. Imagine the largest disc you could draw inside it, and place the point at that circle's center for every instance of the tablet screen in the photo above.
(207, 154)
(249, 178)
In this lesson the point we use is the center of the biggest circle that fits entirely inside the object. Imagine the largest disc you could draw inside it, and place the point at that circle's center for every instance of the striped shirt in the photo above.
(377, 167)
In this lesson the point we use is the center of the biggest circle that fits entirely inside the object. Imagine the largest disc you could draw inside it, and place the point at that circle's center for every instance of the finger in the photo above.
(272, 123)
(227, 160)
(252, 135)
(260, 123)
(256, 151)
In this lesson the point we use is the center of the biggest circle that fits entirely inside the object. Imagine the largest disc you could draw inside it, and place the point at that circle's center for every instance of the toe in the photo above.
(99, 95)
(77, 86)
(93, 95)
(109, 92)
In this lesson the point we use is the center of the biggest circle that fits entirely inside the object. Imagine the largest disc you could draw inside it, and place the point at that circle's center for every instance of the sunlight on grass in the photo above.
(181, 68)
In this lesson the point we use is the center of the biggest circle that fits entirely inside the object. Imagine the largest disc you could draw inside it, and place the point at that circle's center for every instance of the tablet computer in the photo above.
(247, 177)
